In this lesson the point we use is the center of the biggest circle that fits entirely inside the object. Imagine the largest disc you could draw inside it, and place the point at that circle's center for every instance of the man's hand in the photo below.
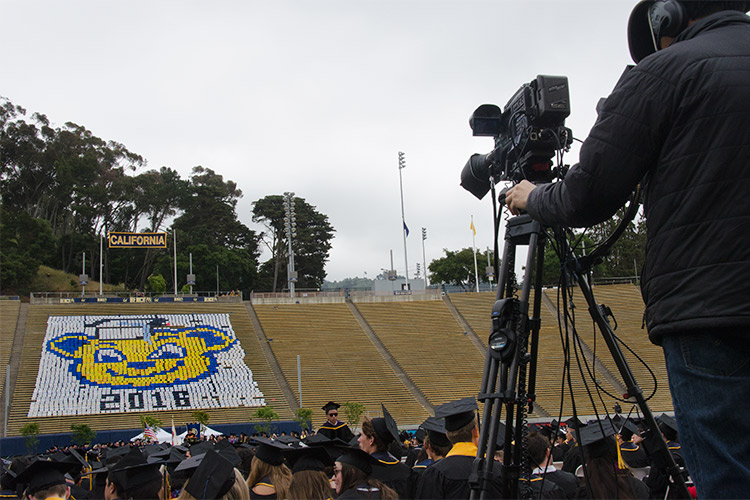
(516, 197)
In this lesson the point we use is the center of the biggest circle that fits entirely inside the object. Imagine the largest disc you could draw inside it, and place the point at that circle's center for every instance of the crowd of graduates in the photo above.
(570, 460)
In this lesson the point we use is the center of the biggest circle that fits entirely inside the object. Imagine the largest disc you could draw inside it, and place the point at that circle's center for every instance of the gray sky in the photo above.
(315, 97)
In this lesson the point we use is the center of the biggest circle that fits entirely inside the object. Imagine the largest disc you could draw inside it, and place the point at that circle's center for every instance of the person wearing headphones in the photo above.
(677, 123)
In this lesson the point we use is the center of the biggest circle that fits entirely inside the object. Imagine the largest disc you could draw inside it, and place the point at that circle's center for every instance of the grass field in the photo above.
(54, 280)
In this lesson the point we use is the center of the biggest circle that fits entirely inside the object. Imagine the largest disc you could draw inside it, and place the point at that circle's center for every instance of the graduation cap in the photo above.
(625, 427)
(419, 435)
(354, 442)
(331, 446)
(385, 427)
(42, 474)
(201, 448)
(226, 450)
(358, 459)
(458, 413)
(76, 461)
(668, 421)
(331, 406)
(667, 426)
(269, 451)
(6, 480)
(435, 429)
(597, 438)
(311, 458)
(113, 455)
(156, 449)
(212, 478)
(289, 441)
(500, 441)
(573, 423)
(133, 471)
(175, 458)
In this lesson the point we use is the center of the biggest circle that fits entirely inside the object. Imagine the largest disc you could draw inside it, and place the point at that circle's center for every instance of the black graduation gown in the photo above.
(542, 488)
(266, 480)
(658, 479)
(565, 481)
(392, 473)
(449, 477)
(416, 475)
(573, 458)
(412, 455)
(340, 430)
(361, 491)
(634, 455)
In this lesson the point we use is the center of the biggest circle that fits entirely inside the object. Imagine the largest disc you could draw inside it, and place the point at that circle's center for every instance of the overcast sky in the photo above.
(315, 97)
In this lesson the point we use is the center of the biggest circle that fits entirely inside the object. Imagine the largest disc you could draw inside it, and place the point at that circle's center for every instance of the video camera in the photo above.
(527, 133)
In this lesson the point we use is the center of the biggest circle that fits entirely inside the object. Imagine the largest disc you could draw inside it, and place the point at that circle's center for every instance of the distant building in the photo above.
(398, 287)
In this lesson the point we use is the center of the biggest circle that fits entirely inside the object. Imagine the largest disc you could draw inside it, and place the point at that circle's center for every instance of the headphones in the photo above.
(667, 18)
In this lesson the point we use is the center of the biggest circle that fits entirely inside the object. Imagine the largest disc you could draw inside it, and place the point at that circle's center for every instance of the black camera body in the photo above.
(527, 134)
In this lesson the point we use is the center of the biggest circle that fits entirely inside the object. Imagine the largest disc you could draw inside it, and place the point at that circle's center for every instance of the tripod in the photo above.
(509, 379)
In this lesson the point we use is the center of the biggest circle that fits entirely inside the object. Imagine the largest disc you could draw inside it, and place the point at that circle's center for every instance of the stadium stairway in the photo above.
(426, 340)
(30, 360)
(13, 315)
(338, 360)
(626, 303)
(553, 391)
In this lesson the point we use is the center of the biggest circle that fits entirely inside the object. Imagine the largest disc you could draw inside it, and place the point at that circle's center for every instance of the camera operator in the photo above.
(678, 123)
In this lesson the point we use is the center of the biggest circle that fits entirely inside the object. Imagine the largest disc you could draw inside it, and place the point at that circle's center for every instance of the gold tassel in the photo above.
(620, 462)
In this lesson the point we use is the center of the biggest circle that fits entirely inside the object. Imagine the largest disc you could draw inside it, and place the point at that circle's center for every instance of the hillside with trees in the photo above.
(63, 188)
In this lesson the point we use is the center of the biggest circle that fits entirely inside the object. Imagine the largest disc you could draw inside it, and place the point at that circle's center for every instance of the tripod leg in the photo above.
(634, 390)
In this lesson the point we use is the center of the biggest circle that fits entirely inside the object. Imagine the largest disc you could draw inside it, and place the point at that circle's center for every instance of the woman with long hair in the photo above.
(211, 476)
(607, 475)
(377, 434)
(309, 480)
(238, 490)
(352, 477)
(269, 478)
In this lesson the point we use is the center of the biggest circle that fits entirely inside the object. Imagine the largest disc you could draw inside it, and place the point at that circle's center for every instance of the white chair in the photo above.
(640, 473)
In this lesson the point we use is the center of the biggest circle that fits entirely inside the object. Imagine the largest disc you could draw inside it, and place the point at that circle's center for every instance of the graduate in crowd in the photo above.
(353, 477)
(630, 444)
(449, 477)
(545, 478)
(606, 475)
(212, 477)
(309, 480)
(334, 428)
(377, 434)
(435, 445)
(658, 477)
(269, 477)
(43, 480)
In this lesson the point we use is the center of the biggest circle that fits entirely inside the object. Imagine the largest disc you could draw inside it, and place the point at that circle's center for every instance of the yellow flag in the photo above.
(473, 229)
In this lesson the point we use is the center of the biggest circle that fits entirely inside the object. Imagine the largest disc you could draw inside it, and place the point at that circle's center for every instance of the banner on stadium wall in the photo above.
(136, 240)
(114, 364)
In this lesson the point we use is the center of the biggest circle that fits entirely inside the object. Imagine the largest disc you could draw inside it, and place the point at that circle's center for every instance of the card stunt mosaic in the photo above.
(113, 364)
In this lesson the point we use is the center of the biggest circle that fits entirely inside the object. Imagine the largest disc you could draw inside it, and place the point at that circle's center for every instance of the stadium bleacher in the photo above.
(627, 306)
(338, 361)
(427, 350)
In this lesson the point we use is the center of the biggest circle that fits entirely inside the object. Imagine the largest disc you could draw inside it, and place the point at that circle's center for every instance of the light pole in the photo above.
(290, 226)
(424, 260)
(402, 165)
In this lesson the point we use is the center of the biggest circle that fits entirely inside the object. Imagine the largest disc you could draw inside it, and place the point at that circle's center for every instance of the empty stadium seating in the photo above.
(428, 354)
(338, 360)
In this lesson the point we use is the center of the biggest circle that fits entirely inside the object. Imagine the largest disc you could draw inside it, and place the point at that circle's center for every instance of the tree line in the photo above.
(63, 188)
(624, 261)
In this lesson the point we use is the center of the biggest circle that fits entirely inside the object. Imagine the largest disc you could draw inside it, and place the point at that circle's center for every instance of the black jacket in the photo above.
(679, 122)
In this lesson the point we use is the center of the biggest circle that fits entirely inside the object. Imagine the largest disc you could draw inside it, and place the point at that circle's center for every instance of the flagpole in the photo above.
(474, 248)
(401, 165)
